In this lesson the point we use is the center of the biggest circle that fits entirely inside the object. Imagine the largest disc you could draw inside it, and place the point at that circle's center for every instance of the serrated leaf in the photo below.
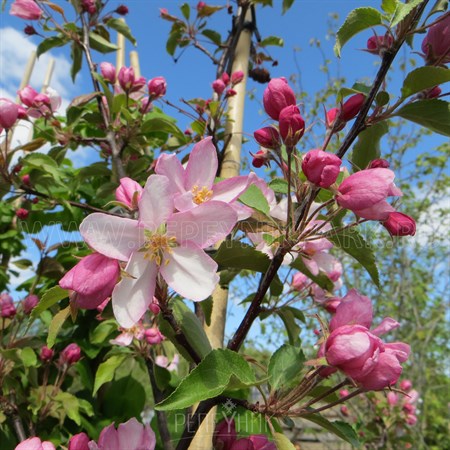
(285, 367)
(121, 27)
(238, 255)
(56, 324)
(208, 10)
(279, 186)
(213, 36)
(340, 429)
(28, 357)
(106, 370)
(49, 43)
(254, 198)
(424, 78)
(76, 53)
(100, 44)
(354, 244)
(272, 40)
(433, 114)
(158, 124)
(358, 20)
(70, 405)
(221, 369)
(367, 147)
(282, 442)
(50, 298)
(389, 6)
(402, 10)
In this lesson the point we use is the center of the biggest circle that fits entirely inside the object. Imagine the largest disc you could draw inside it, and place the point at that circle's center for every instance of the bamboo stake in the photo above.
(48, 75)
(230, 168)
(120, 53)
(27, 74)
(134, 62)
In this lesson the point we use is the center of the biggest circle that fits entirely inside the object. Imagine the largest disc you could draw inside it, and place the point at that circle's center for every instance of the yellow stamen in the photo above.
(156, 245)
(201, 195)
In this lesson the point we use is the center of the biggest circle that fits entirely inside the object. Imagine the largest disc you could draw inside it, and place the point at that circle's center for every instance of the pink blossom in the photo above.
(163, 361)
(153, 336)
(399, 224)
(157, 87)
(26, 9)
(292, 125)
(321, 168)
(9, 113)
(92, 279)
(29, 302)
(436, 45)
(365, 193)
(46, 354)
(277, 96)
(392, 398)
(194, 185)
(27, 96)
(126, 78)
(7, 308)
(79, 441)
(35, 443)
(161, 242)
(405, 385)
(70, 355)
(268, 137)
(108, 72)
(218, 86)
(299, 281)
(129, 192)
(131, 435)
(343, 393)
(352, 106)
(237, 77)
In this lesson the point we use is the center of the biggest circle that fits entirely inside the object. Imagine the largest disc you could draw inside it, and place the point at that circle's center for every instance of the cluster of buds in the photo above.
(39, 105)
(336, 118)
(226, 83)
(404, 405)
(8, 308)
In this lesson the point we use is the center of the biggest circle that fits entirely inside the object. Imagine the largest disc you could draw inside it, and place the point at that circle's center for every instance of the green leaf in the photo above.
(70, 405)
(272, 40)
(292, 328)
(158, 124)
(286, 5)
(279, 186)
(51, 297)
(358, 20)
(402, 10)
(106, 370)
(221, 369)
(424, 78)
(340, 429)
(100, 44)
(76, 53)
(191, 327)
(353, 243)
(56, 324)
(28, 357)
(102, 332)
(438, 7)
(433, 114)
(43, 163)
(285, 367)
(185, 10)
(254, 198)
(121, 27)
(213, 36)
(382, 98)
(49, 43)
(367, 147)
(282, 442)
(389, 6)
(241, 256)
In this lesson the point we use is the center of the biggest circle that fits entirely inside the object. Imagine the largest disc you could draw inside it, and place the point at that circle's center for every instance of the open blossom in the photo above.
(26, 9)
(92, 279)
(131, 435)
(163, 361)
(365, 193)
(194, 185)
(35, 443)
(160, 242)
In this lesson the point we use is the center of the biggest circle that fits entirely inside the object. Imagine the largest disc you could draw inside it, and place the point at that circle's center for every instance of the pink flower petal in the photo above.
(386, 325)
(190, 271)
(379, 211)
(204, 225)
(112, 236)
(134, 293)
(202, 166)
(184, 202)
(33, 443)
(156, 203)
(170, 166)
(134, 436)
(230, 189)
(399, 349)
(108, 438)
(354, 309)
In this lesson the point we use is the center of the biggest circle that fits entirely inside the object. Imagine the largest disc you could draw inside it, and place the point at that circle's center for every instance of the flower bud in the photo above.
(46, 354)
(29, 30)
(200, 5)
(157, 87)
(9, 113)
(225, 78)
(7, 308)
(405, 385)
(26, 180)
(333, 119)
(108, 72)
(260, 158)
(343, 393)
(299, 281)
(277, 96)
(79, 441)
(126, 78)
(230, 93)
(218, 86)
(153, 336)
(268, 137)
(377, 45)
(27, 96)
(292, 125)
(70, 355)
(379, 164)
(29, 302)
(26, 9)
(411, 419)
(399, 224)
(321, 168)
(344, 411)
(237, 77)
(154, 306)
(122, 10)
(436, 45)
(434, 92)
(129, 192)
(351, 107)
(392, 398)
(89, 6)
(225, 434)
(22, 213)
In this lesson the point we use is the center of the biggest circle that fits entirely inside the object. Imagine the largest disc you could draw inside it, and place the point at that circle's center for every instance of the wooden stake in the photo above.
(134, 62)
(48, 75)
(27, 74)
(120, 53)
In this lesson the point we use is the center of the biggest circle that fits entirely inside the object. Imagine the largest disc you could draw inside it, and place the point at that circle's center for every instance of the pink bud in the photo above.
(89, 6)
(377, 45)
(321, 168)
(200, 5)
(92, 279)
(154, 306)
(129, 192)
(299, 281)
(260, 442)
(230, 93)
(29, 30)
(411, 419)
(399, 224)
(138, 84)
(225, 78)
(122, 10)
(292, 125)
(333, 119)
(344, 411)
(260, 158)
(277, 96)
(126, 78)
(29, 302)
(153, 336)
(22, 213)
(268, 137)
(352, 106)
(27, 95)
(405, 385)
(436, 45)
(237, 77)
(70, 355)
(26, 9)
(379, 163)
(9, 113)
(26, 180)
(7, 308)
(79, 442)
(392, 398)
(46, 354)
(157, 87)
(218, 86)
(108, 72)
(225, 434)
(343, 393)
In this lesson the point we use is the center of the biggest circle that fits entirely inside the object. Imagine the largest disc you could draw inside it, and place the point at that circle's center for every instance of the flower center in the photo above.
(201, 195)
(156, 244)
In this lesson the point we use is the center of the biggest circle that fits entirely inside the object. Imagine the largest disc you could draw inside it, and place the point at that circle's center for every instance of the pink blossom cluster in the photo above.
(225, 82)
(404, 405)
(68, 356)
(8, 308)
(38, 105)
